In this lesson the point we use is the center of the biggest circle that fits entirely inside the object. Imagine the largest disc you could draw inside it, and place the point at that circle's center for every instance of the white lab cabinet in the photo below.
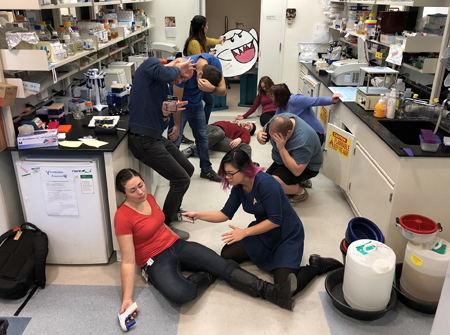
(369, 189)
(66, 198)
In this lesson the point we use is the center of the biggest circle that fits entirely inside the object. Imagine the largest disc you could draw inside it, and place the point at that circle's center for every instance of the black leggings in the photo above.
(265, 117)
(305, 274)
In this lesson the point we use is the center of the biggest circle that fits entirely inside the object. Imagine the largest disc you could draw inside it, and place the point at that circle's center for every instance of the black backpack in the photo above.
(23, 254)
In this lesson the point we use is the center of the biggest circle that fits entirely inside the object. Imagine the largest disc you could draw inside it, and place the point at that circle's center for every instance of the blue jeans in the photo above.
(165, 273)
(209, 102)
(196, 118)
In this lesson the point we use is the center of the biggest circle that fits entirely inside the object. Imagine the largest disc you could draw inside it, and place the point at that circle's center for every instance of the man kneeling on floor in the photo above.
(225, 135)
(296, 152)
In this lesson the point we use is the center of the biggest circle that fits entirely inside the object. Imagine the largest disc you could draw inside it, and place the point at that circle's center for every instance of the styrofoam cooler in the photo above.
(368, 276)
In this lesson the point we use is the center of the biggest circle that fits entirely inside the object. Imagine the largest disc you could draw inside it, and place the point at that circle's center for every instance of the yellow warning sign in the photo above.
(323, 115)
(339, 143)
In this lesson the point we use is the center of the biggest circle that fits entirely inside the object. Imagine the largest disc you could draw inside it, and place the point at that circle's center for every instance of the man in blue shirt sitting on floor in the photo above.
(207, 77)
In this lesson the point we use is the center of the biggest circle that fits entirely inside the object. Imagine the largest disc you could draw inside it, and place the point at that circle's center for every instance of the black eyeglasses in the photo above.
(230, 174)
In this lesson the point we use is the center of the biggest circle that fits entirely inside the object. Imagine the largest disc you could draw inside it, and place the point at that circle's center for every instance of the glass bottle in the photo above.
(89, 108)
(61, 32)
(78, 113)
(70, 46)
(108, 32)
(361, 26)
(55, 35)
(67, 28)
(66, 52)
(77, 42)
(45, 32)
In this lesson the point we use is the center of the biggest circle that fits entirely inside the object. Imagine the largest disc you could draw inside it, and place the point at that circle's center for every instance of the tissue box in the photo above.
(8, 94)
(41, 138)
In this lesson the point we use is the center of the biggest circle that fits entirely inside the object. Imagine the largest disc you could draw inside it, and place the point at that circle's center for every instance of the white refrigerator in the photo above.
(66, 198)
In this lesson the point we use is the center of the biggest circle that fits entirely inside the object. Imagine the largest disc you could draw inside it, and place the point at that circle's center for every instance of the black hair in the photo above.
(253, 128)
(124, 176)
(212, 74)
(241, 161)
(196, 32)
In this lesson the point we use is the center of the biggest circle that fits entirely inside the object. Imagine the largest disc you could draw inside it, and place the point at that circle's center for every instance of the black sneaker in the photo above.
(188, 152)
(211, 175)
(185, 140)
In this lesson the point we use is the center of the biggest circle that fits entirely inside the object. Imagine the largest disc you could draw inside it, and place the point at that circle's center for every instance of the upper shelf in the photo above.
(408, 3)
(36, 4)
(412, 44)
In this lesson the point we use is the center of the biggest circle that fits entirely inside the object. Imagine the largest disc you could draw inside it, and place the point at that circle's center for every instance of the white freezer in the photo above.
(65, 198)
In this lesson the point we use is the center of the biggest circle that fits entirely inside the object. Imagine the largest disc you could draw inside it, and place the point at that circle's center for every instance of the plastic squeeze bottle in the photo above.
(392, 102)
(380, 109)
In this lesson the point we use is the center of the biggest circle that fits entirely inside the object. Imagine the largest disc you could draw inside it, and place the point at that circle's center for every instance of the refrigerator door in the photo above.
(65, 199)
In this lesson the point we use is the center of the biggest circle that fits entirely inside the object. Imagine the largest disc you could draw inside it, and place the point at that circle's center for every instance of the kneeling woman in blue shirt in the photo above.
(274, 241)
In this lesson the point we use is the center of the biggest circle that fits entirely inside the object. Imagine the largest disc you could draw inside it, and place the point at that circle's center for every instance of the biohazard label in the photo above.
(339, 143)
(323, 115)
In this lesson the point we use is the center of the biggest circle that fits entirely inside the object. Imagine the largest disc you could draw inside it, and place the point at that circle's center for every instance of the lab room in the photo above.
(131, 131)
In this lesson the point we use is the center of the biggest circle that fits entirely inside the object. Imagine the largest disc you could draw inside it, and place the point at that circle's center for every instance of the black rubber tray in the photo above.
(408, 302)
(333, 285)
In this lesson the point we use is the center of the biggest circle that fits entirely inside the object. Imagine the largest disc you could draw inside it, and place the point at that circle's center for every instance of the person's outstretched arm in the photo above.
(127, 270)
(256, 104)
(217, 216)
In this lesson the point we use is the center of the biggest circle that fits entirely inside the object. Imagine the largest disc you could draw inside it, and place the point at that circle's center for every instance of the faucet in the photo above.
(444, 104)
(69, 88)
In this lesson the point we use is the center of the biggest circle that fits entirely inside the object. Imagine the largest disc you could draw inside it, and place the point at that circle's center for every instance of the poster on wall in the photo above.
(238, 51)
(171, 30)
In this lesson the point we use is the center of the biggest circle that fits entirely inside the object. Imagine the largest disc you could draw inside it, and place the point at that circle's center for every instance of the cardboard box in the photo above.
(8, 94)
(41, 138)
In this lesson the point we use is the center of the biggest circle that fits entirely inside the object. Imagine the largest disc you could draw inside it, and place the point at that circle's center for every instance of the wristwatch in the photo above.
(215, 90)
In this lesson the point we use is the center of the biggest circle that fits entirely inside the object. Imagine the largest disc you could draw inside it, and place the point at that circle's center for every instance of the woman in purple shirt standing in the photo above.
(263, 98)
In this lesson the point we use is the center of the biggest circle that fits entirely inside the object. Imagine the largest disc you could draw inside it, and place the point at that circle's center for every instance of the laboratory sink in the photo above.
(408, 131)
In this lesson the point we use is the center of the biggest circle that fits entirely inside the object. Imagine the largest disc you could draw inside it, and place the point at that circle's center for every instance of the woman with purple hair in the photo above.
(274, 241)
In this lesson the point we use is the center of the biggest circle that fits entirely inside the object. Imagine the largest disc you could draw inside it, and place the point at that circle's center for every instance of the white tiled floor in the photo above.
(221, 309)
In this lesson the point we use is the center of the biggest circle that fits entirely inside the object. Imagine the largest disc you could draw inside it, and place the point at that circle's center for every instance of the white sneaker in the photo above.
(294, 198)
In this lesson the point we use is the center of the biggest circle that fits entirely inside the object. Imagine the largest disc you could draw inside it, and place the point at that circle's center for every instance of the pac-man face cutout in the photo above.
(238, 52)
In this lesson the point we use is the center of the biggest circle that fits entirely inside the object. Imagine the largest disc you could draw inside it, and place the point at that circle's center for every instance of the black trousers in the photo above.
(165, 158)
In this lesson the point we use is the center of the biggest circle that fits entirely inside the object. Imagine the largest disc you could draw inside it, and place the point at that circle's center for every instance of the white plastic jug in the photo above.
(368, 276)
(424, 269)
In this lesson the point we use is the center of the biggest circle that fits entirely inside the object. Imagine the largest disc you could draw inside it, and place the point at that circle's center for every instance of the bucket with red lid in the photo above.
(417, 228)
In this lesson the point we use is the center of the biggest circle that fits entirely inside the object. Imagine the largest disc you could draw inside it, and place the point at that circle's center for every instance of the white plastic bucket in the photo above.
(424, 270)
(368, 276)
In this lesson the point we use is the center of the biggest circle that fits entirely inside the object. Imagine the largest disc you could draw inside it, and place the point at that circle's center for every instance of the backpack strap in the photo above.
(31, 225)
(40, 251)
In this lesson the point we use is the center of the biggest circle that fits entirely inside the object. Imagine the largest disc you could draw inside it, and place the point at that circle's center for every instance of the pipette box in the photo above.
(121, 98)
(56, 109)
(41, 138)
(118, 88)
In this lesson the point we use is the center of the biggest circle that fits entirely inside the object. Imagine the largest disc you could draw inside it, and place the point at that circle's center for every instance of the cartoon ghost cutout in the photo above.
(238, 52)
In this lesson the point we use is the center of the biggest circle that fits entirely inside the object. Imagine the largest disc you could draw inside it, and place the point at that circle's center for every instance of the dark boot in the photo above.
(278, 294)
(324, 265)
(203, 280)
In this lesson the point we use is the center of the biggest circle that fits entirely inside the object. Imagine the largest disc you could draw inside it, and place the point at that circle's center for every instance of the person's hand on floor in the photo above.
(239, 117)
(125, 305)
(335, 97)
(234, 143)
(235, 235)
